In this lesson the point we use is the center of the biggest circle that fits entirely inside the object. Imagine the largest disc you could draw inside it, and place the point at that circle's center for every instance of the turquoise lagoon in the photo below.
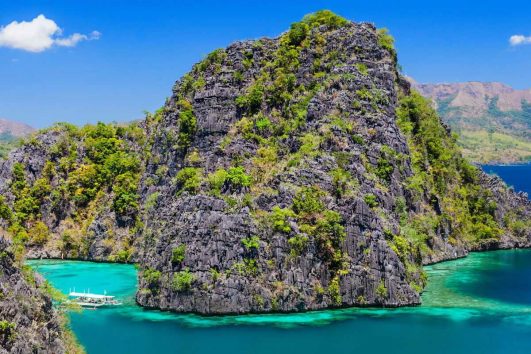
(479, 304)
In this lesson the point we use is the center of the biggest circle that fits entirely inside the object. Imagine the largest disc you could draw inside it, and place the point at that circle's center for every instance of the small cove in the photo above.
(461, 308)
(479, 304)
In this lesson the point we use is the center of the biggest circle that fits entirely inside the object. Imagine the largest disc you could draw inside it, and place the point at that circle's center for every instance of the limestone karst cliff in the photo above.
(310, 177)
(285, 174)
(28, 322)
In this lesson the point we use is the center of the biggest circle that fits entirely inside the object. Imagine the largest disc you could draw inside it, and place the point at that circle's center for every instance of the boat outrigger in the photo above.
(93, 300)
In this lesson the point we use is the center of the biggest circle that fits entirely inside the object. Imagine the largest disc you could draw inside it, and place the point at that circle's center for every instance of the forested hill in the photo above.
(492, 120)
(10, 133)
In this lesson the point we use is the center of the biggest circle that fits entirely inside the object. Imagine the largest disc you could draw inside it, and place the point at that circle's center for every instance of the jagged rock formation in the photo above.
(285, 270)
(79, 185)
(256, 248)
(512, 207)
(283, 174)
(28, 322)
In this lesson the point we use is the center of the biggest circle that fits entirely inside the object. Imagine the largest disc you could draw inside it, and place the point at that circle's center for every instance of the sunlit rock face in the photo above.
(28, 322)
(286, 174)
(308, 123)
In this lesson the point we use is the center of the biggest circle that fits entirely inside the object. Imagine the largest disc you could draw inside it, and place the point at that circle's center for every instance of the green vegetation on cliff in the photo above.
(300, 170)
(299, 147)
(442, 174)
(86, 170)
(27, 318)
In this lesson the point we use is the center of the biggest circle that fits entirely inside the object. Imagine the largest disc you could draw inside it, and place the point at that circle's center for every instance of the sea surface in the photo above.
(479, 304)
(516, 176)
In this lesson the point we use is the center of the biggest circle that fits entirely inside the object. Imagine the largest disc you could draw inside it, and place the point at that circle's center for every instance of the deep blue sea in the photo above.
(517, 176)
(479, 304)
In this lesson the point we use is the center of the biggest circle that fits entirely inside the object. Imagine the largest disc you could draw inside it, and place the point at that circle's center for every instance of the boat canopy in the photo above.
(92, 296)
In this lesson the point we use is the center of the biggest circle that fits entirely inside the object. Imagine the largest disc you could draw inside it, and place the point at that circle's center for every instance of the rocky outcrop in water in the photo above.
(285, 174)
(255, 248)
(514, 208)
(283, 270)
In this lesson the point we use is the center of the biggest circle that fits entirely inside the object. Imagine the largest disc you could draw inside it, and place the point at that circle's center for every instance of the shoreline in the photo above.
(254, 313)
(505, 164)
(135, 264)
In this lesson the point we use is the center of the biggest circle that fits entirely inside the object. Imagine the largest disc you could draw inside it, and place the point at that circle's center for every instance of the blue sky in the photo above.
(128, 54)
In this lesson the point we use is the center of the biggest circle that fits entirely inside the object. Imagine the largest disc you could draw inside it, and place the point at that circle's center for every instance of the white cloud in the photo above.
(519, 39)
(76, 38)
(38, 35)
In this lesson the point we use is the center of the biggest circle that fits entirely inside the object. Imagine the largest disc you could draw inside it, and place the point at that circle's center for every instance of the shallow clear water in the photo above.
(480, 304)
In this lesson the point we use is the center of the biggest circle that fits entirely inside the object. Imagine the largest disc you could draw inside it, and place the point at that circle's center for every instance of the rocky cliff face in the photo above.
(28, 322)
(284, 174)
(69, 192)
(514, 208)
(320, 224)
(333, 252)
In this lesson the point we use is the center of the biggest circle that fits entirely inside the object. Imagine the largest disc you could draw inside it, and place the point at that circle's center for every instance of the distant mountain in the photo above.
(493, 120)
(15, 129)
(10, 133)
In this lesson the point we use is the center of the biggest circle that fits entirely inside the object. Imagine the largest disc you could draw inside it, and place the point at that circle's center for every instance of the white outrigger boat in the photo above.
(93, 300)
